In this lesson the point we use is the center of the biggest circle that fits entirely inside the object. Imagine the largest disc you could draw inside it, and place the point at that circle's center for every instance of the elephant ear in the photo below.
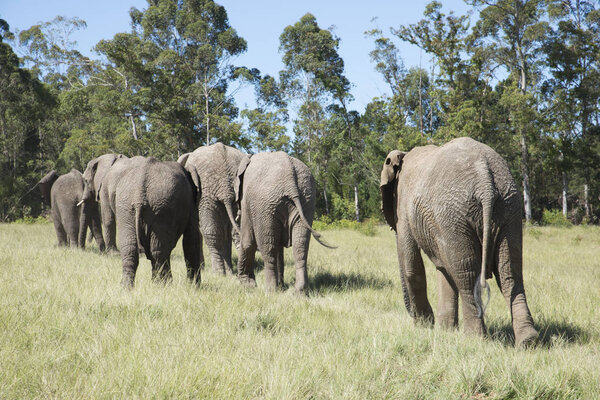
(194, 178)
(183, 159)
(239, 180)
(98, 176)
(388, 185)
(46, 183)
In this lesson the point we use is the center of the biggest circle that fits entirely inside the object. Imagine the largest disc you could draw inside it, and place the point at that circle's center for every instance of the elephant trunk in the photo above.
(405, 289)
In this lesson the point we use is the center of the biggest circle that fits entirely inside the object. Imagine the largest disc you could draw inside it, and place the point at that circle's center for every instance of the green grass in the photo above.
(68, 330)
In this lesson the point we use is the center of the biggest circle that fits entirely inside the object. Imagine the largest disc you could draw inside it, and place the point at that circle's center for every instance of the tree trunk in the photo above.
(586, 198)
(564, 193)
(525, 173)
(356, 209)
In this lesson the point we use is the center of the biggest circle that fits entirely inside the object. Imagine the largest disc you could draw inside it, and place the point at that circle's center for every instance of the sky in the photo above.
(260, 22)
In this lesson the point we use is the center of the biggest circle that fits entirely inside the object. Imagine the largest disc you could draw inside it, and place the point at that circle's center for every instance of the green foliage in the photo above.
(555, 218)
(368, 227)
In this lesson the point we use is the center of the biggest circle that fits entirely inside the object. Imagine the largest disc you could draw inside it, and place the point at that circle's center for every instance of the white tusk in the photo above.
(80, 203)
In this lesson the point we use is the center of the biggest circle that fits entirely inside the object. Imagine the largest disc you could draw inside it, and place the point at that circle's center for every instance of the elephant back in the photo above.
(216, 166)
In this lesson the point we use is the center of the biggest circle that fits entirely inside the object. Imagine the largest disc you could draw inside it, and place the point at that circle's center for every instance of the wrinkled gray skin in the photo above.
(216, 168)
(155, 205)
(276, 197)
(460, 205)
(95, 176)
(70, 218)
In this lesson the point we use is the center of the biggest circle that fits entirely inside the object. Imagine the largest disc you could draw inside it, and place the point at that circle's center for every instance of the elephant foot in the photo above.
(247, 281)
(425, 320)
(475, 326)
(526, 338)
(127, 283)
(447, 322)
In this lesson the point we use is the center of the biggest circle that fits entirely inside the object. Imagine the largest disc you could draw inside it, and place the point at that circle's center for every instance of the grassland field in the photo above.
(69, 331)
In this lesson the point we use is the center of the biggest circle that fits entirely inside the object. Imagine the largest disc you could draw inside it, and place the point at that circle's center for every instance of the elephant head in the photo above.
(95, 172)
(46, 183)
(387, 186)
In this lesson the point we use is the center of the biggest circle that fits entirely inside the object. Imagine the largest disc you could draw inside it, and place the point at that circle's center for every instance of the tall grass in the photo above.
(68, 330)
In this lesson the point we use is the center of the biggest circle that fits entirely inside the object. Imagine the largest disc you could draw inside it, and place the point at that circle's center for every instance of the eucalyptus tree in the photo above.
(313, 79)
(572, 58)
(178, 61)
(515, 30)
(267, 122)
(24, 106)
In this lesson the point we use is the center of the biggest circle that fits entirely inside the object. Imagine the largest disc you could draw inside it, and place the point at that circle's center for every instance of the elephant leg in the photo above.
(413, 271)
(465, 273)
(447, 310)
(280, 267)
(161, 268)
(509, 277)
(192, 252)
(269, 255)
(72, 227)
(300, 244)
(84, 221)
(246, 263)
(61, 234)
(129, 256)
(110, 227)
(96, 227)
(227, 252)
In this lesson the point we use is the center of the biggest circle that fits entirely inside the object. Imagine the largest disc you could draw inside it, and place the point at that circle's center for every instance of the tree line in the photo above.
(524, 77)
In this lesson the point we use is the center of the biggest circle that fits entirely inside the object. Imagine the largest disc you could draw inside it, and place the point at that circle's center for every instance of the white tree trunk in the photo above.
(356, 209)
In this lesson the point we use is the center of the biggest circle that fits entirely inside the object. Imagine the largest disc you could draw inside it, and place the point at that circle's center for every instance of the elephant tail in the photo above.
(138, 231)
(487, 203)
(315, 234)
(232, 217)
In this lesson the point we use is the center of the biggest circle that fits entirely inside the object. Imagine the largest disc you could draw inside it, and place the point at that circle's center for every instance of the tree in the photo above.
(571, 56)
(314, 78)
(24, 106)
(178, 62)
(516, 29)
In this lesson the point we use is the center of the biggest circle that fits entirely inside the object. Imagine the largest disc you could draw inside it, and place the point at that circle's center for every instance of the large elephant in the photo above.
(276, 197)
(71, 217)
(216, 168)
(156, 202)
(460, 205)
(95, 175)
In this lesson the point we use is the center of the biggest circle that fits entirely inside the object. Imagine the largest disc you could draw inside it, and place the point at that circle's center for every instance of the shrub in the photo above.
(554, 218)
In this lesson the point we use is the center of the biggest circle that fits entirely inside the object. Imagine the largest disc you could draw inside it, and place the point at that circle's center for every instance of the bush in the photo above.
(324, 223)
(554, 218)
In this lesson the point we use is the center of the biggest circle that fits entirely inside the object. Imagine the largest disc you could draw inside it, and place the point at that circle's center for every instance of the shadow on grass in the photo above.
(551, 333)
(326, 281)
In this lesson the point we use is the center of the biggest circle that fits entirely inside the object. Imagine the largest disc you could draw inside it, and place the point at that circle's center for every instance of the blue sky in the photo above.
(260, 22)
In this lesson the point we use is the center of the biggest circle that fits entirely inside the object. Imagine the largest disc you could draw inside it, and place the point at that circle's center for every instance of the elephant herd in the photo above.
(457, 203)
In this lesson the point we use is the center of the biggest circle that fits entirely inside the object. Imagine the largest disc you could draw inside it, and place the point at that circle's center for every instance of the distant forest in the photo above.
(523, 78)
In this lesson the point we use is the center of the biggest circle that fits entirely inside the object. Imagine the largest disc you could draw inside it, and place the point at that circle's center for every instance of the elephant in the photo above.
(459, 204)
(216, 167)
(276, 197)
(95, 175)
(156, 203)
(71, 217)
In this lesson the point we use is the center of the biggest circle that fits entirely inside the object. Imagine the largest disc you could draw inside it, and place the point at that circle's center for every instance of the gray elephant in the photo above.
(276, 197)
(216, 168)
(94, 175)
(71, 217)
(460, 205)
(156, 203)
